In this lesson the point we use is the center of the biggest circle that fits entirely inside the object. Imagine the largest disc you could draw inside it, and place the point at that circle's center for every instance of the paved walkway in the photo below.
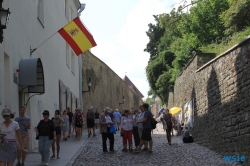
(70, 149)
(179, 154)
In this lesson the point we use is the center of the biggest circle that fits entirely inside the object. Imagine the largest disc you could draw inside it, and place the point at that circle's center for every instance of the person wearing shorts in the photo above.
(91, 121)
(117, 119)
(96, 118)
(146, 131)
(24, 124)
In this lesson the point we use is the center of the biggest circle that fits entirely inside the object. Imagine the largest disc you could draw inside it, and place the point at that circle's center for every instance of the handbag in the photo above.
(112, 129)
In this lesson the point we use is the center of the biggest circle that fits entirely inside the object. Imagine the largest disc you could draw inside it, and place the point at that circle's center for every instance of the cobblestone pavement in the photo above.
(179, 154)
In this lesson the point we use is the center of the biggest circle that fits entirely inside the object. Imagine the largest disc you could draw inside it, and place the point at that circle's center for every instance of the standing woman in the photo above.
(45, 132)
(57, 120)
(136, 135)
(78, 120)
(127, 130)
(9, 131)
(65, 125)
(168, 119)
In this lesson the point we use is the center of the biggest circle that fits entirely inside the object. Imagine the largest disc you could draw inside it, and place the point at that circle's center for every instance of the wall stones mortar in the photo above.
(221, 93)
(107, 87)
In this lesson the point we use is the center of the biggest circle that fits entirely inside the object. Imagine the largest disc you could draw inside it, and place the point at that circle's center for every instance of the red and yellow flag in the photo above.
(77, 36)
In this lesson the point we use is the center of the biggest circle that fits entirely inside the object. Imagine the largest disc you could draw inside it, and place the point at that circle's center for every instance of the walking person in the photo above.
(57, 120)
(65, 125)
(78, 121)
(24, 124)
(45, 133)
(70, 115)
(146, 132)
(117, 119)
(96, 118)
(168, 119)
(9, 131)
(127, 131)
(91, 121)
(135, 128)
(105, 122)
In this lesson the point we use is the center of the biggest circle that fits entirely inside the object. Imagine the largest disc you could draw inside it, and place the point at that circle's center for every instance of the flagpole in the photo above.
(33, 50)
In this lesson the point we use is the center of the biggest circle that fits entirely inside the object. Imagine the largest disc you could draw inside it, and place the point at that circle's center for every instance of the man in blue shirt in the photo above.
(24, 123)
(117, 119)
(146, 131)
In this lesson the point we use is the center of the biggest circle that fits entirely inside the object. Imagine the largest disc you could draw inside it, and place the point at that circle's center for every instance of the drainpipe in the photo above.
(80, 81)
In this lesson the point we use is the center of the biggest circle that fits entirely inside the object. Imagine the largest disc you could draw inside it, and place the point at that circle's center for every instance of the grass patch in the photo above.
(226, 43)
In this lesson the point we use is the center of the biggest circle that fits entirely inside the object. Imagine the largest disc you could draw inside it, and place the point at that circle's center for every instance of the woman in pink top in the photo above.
(127, 130)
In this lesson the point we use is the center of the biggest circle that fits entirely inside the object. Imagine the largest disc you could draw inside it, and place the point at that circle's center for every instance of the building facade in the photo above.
(47, 79)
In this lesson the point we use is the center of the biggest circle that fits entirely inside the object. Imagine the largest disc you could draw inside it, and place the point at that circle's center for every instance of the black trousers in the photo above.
(136, 136)
(110, 136)
(168, 131)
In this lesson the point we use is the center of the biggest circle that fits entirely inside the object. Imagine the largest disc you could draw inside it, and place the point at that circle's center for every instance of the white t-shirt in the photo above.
(9, 131)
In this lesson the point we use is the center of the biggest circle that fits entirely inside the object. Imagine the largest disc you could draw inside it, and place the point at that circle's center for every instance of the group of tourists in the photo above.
(132, 125)
(136, 123)
(14, 137)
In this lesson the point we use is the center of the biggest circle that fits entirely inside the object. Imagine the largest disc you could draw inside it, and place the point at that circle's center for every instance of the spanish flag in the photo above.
(77, 36)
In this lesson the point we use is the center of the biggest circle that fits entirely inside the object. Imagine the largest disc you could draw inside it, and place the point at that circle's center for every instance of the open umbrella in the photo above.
(175, 110)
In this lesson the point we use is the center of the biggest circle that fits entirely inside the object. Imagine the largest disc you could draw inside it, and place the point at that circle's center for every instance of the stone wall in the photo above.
(221, 93)
(107, 88)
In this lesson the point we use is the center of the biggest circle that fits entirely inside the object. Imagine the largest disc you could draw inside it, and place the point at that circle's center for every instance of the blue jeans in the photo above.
(43, 146)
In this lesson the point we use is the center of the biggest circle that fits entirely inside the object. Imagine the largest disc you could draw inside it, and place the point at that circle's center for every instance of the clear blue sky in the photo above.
(119, 29)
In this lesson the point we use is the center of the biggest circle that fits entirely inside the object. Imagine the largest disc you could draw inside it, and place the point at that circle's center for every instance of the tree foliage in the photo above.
(177, 36)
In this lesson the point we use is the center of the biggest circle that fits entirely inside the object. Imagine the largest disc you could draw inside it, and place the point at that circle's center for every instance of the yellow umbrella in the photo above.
(175, 110)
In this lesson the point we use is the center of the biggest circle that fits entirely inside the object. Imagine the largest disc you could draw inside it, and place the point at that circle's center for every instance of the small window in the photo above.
(40, 12)
(67, 9)
(72, 62)
(67, 55)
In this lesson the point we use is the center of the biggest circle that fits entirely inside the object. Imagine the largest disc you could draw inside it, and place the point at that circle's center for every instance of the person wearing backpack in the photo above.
(168, 119)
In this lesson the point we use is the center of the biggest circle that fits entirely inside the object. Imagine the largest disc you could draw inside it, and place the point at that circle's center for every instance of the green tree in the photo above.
(154, 33)
(236, 18)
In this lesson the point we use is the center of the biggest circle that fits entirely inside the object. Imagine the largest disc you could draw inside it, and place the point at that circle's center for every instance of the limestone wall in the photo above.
(107, 87)
(221, 93)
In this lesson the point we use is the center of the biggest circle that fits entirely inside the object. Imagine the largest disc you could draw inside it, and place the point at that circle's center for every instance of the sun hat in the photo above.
(6, 111)
(45, 112)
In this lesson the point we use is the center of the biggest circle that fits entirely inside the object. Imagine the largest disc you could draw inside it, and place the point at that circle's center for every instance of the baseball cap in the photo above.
(45, 112)
(6, 111)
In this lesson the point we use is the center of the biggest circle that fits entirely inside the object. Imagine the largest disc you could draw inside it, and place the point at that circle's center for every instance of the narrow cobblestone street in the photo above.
(179, 154)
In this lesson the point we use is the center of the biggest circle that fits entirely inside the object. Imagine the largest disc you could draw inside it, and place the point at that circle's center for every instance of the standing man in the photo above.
(91, 121)
(117, 119)
(105, 122)
(70, 115)
(24, 123)
(146, 131)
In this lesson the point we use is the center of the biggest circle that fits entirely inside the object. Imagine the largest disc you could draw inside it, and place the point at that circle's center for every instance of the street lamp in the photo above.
(4, 18)
(89, 85)
(123, 99)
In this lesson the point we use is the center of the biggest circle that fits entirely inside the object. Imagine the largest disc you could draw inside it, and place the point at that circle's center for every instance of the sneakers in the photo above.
(46, 164)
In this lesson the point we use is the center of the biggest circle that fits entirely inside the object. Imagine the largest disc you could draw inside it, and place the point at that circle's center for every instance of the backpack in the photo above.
(153, 123)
